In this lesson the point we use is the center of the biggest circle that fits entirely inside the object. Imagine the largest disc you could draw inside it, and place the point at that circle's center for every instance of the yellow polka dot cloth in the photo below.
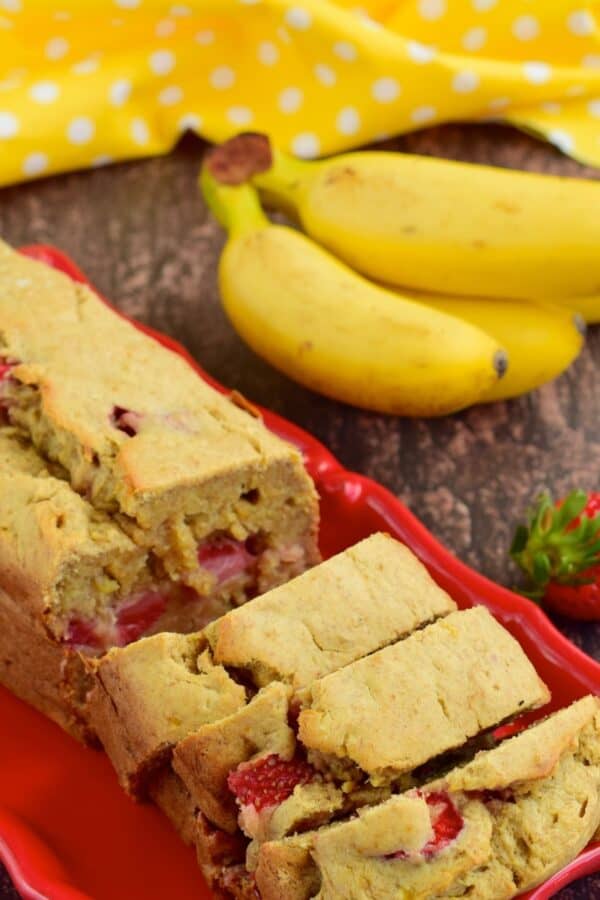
(84, 82)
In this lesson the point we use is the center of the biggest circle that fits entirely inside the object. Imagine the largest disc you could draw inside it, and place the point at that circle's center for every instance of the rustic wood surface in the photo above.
(143, 236)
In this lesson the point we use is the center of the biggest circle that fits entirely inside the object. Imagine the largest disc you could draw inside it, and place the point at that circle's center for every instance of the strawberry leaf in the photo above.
(558, 544)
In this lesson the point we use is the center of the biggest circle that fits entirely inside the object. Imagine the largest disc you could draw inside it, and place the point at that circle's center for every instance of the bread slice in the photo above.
(377, 589)
(498, 826)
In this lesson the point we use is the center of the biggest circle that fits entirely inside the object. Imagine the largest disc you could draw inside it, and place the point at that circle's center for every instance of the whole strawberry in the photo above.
(559, 551)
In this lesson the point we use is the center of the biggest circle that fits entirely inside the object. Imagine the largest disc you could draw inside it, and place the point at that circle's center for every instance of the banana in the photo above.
(542, 339)
(587, 307)
(447, 227)
(330, 329)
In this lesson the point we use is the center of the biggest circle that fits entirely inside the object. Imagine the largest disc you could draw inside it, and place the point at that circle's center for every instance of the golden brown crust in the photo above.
(372, 594)
(169, 793)
(445, 684)
(286, 871)
(153, 693)
(529, 755)
(42, 672)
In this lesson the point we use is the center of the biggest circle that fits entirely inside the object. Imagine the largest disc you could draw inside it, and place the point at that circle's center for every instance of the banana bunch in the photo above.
(435, 226)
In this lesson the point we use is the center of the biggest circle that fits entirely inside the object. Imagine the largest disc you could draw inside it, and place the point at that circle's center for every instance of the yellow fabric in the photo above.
(83, 82)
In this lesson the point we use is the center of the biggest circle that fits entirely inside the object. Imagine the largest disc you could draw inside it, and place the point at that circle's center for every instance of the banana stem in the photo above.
(236, 207)
(286, 178)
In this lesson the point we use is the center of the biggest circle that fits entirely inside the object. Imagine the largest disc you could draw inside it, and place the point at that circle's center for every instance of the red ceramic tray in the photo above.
(67, 832)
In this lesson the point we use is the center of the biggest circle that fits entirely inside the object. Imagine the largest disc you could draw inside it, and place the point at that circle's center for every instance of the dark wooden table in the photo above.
(143, 236)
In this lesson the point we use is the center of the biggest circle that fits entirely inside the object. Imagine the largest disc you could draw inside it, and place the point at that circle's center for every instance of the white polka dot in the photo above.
(299, 18)
(80, 130)
(9, 125)
(423, 114)
(191, 121)
(44, 91)
(591, 61)
(537, 72)
(180, 9)
(240, 115)
(594, 108)
(127, 4)
(580, 22)
(249, 2)
(325, 74)
(366, 20)
(86, 66)
(561, 139)
(474, 39)
(119, 92)
(284, 35)
(484, 5)
(290, 100)
(205, 37)
(102, 160)
(465, 82)
(11, 5)
(165, 28)
(170, 95)
(420, 53)
(306, 145)
(385, 90)
(345, 50)
(526, 28)
(56, 48)
(222, 77)
(162, 62)
(551, 107)
(347, 120)
(268, 53)
(431, 9)
(139, 131)
(62, 16)
(35, 163)
(575, 90)
(499, 103)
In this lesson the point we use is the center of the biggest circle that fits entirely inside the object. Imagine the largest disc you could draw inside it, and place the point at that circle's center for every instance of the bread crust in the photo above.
(40, 671)
(527, 807)
(152, 694)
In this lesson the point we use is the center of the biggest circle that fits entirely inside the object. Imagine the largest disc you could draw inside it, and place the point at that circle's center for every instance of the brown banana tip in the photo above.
(239, 158)
(579, 323)
(500, 362)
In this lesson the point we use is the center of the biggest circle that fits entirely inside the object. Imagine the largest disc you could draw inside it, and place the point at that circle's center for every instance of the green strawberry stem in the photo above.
(557, 544)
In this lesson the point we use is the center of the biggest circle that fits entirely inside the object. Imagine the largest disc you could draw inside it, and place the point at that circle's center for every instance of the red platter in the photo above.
(67, 832)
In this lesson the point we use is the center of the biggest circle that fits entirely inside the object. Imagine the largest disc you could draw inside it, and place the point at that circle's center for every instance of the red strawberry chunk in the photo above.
(225, 558)
(125, 420)
(81, 633)
(5, 370)
(446, 821)
(268, 781)
(137, 615)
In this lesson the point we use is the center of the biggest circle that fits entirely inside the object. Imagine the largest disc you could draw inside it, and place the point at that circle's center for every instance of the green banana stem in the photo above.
(285, 180)
(236, 207)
